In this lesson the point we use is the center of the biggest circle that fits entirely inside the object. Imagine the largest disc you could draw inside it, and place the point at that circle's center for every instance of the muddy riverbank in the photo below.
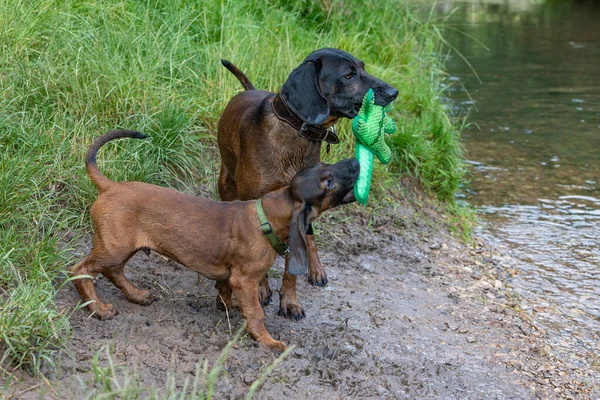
(409, 312)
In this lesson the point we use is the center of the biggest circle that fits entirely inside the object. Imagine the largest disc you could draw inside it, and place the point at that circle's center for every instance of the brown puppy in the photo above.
(222, 241)
(266, 138)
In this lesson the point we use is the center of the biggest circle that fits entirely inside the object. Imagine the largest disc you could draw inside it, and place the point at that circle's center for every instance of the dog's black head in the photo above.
(331, 82)
(315, 190)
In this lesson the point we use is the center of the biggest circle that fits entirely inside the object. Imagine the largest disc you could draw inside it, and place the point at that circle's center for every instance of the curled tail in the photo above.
(90, 158)
(238, 74)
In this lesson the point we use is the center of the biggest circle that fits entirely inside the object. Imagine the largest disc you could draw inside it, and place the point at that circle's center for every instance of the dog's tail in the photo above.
(238, 74)
(90, 158)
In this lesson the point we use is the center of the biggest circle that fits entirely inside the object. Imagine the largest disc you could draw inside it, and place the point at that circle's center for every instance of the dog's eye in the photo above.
(329, 184)
(349, 76)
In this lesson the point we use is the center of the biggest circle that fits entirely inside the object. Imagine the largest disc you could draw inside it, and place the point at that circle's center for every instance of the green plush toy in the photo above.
(369, 126)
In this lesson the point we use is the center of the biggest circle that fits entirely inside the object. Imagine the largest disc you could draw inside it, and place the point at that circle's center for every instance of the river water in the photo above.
(534, 148)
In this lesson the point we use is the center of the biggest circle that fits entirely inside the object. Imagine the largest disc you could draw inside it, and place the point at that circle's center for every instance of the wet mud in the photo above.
(409, 312)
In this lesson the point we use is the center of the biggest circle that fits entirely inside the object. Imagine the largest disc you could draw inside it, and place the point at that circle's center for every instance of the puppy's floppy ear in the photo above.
(302, 93)
(298, 260)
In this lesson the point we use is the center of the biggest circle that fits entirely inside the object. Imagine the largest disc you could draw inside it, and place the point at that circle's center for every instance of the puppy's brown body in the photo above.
(261, 153)
(222, 241)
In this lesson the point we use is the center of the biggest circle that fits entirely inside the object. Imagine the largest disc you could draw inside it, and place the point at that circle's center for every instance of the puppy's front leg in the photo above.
(289, 307)
(246, 293)
(316, 272)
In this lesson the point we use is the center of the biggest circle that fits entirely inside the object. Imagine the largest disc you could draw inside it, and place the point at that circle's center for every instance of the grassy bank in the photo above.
(71, 70)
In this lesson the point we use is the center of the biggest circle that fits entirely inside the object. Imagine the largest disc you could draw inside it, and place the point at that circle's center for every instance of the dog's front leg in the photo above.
(264, 291)
(289, 306)
(246, 292)
(316, 272)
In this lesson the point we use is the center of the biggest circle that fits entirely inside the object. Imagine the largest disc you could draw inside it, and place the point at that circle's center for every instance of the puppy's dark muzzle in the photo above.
(353, 168)
(350, 169)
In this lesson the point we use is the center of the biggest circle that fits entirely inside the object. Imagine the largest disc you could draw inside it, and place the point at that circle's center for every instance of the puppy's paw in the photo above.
(276, 346)
(290, 309)
(104, 311)
(316, 272)
(317, 277)
(145, 298)
(265, 295)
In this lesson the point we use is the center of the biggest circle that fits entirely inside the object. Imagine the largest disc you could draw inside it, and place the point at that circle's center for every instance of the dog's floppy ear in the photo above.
(302, 93)
(298, 260)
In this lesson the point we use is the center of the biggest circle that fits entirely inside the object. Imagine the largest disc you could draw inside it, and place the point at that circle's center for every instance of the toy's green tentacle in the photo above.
(363, 183)
(380, 148)
(389, 126)
(369, 127)
(367, 103)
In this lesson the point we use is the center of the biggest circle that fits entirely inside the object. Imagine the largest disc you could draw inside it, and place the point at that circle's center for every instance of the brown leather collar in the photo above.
(309, 132)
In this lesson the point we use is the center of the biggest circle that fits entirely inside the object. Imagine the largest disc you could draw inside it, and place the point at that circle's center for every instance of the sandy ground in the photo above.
(409, 312)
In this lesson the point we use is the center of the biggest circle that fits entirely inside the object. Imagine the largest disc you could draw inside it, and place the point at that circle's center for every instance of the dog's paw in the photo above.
(265, 295)
(316, 273)
(290, 309)
(145, 298)
(318, 278)
(105, 312)
(276, 346)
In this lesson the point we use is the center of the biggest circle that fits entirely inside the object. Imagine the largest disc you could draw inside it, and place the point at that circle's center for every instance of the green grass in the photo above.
(71, 70)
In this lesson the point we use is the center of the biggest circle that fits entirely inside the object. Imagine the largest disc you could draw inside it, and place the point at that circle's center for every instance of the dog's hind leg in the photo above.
(227, 187)
(117, 276)
(85, 287)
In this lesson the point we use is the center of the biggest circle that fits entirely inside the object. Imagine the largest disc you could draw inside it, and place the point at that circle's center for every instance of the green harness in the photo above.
(277, 245)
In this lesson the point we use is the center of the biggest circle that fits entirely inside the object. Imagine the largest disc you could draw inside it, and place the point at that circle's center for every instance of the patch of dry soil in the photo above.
(409, 313)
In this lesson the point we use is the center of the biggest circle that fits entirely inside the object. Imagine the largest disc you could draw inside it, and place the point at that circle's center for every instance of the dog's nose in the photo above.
(354, 166)
(385, 94)
(391, 92)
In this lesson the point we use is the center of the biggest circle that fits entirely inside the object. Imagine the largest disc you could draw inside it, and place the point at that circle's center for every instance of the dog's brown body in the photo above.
(222, 241)
(261, 153)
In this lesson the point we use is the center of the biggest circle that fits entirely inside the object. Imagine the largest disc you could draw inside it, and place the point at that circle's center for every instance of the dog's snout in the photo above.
(354, 167)
(350, 169)
(385, 94)
(391, 92)
(346, 170)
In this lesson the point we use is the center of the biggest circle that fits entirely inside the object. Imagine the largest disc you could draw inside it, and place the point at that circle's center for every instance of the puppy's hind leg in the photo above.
(85, 287)
(117, 276)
